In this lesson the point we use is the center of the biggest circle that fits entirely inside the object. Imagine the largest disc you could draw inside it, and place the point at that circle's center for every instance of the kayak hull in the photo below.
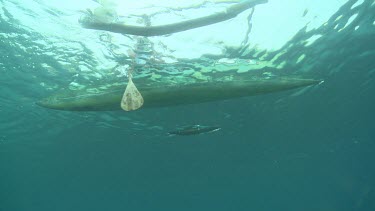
(162, 96)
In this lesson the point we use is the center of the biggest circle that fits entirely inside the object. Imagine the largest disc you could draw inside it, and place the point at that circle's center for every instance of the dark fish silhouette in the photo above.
(305, 12)
(194, 130)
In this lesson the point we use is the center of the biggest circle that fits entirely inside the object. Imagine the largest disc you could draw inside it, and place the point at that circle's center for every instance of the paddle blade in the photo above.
(132, 98)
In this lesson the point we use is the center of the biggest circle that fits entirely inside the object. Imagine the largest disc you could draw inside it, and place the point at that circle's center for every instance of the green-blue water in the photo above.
(293, 150)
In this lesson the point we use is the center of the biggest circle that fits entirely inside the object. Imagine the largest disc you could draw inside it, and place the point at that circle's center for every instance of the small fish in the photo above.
(305, 12)
(194, 130)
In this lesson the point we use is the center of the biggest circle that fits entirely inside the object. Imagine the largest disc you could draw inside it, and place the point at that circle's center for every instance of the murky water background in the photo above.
(294, 150)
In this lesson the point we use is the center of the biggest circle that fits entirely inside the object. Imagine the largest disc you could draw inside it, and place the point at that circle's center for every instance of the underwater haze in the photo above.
(310, 148)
